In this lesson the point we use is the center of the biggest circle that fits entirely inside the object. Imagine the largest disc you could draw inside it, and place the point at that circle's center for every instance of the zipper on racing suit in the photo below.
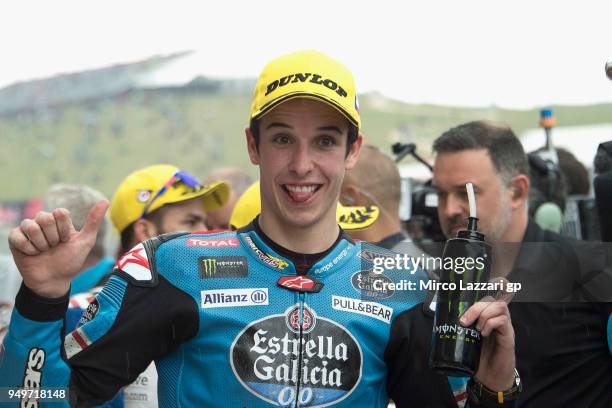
(302, 296)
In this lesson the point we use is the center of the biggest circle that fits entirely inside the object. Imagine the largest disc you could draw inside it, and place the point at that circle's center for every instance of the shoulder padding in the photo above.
(137, 266)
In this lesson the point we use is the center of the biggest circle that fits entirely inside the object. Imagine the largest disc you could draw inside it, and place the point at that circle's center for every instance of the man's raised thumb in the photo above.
(95, 218)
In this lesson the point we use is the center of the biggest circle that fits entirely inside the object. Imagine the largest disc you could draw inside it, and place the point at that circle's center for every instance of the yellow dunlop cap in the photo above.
(140, 189)
(306, 74)
(349, 218)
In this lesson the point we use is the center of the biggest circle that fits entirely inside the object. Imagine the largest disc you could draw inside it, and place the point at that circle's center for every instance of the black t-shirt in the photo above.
(561, 347)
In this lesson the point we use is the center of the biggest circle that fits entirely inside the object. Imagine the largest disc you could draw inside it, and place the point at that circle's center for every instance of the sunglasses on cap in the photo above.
(180, 176)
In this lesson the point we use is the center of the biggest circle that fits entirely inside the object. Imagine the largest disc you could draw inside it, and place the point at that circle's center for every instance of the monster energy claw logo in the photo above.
(209, 265)
(223, 266)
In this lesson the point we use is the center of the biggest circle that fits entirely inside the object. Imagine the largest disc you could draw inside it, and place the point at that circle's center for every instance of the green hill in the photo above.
(98, 142)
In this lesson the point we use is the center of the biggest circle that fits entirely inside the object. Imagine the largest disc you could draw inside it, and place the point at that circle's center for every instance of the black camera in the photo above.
(419, 203)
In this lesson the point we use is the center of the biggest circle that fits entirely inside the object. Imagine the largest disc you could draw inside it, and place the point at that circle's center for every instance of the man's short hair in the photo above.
(79, 200)
(504, 148)
(126, 236)
(603, 159)
(574, 172)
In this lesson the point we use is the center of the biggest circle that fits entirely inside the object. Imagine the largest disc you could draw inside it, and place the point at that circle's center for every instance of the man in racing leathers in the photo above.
(266, 316)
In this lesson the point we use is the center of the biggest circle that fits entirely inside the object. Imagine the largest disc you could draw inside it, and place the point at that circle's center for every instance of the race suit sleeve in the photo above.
(131, 323)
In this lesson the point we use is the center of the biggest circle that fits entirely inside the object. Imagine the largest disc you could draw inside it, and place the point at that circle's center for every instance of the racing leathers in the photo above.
(229, 323)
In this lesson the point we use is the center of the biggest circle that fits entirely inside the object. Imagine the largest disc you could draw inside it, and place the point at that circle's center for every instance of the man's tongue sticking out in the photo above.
(300, 193)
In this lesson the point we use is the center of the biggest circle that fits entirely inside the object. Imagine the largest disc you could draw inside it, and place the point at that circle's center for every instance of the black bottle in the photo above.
(455, 350)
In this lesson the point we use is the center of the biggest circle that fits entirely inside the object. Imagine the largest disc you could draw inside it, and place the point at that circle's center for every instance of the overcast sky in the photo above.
(512, 53)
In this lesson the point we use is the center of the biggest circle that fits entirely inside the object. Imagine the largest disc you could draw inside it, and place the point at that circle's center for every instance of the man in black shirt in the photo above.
(561, 346)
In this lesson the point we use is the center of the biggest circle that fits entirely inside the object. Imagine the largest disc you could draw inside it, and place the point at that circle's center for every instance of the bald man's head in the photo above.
(238, 179)
(374, 180)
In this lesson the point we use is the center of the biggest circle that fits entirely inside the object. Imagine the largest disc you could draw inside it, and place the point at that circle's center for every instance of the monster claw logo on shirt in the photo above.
(297, 359)
(209, 265)
(228, 266)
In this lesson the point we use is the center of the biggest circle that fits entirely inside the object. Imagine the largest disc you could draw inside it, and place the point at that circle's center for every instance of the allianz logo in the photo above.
(234, 297)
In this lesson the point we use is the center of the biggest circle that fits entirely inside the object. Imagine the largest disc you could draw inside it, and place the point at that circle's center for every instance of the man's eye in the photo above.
(327, 141)
(191, 222)
(281, 139)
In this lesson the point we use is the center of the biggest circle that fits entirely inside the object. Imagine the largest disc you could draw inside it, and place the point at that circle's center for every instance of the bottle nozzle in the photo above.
(472, 226)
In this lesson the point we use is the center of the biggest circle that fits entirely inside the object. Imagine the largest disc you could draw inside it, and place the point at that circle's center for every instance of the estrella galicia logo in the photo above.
(222, 267)
(372, 285)
(301, 318)
(275, 363)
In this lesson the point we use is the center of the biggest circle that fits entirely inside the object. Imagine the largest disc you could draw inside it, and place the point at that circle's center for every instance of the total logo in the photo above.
(276, 361)
(213, 243)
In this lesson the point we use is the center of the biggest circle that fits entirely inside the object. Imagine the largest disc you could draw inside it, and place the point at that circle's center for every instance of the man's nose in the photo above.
(301, 161)
(454, 205)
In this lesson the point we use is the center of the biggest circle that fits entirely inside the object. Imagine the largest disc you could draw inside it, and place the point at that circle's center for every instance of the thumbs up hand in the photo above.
(49, 252)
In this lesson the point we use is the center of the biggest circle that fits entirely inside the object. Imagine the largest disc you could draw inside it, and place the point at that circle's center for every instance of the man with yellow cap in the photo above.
(279, 313)
(160, 199)
(154, 200)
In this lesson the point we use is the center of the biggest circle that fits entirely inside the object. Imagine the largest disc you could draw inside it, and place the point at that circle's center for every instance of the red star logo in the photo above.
(135, 256)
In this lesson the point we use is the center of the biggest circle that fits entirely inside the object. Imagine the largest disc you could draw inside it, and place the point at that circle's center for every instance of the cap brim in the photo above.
(356, 218)
(307, 95)
(214, 196)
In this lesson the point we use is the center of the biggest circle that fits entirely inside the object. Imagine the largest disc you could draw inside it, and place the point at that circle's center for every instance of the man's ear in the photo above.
(520, 190)
(350, 195)
(251, 146)
(144, 229)
(353, 155)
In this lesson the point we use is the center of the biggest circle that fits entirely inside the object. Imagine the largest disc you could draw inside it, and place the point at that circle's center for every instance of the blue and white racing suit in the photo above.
(229, 323)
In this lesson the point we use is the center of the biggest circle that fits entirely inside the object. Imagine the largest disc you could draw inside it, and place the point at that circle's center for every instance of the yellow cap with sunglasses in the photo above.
(349, 218)
(147, 189)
